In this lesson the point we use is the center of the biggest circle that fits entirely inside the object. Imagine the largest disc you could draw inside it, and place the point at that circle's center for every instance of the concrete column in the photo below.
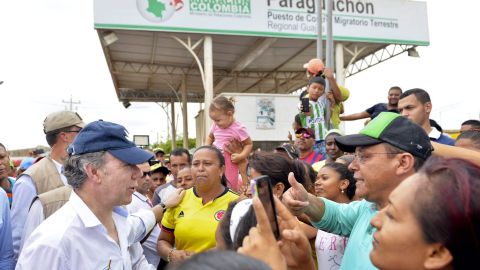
(184, 112)
(319, 30)
(174, 131)
(339, 69)
(329, 34)
(208, 70)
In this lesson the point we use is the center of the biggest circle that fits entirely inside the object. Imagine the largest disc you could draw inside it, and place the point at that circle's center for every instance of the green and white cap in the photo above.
(391, 128)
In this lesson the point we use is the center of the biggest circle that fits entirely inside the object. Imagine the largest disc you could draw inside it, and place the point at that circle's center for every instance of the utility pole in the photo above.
(319, 30)
(71, 102)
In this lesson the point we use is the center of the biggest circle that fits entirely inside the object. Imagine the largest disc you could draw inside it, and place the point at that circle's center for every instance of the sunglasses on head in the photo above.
(303, 135)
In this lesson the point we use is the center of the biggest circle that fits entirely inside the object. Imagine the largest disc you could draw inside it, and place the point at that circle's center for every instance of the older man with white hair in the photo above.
(91, 231)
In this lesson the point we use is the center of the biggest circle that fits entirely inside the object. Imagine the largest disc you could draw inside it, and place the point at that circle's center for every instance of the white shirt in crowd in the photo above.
(140, 201)
(34, 218)
(24, 192)
(330, 249)
(165, 193)
(74, 238)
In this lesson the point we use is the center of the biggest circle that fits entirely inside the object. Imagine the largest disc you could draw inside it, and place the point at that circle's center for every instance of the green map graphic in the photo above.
(156, 8)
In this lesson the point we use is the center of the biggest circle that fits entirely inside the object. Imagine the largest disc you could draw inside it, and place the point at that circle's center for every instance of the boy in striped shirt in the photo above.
(315, 118)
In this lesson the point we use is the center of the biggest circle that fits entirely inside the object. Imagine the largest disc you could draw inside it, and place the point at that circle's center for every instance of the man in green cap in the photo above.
(387, 151)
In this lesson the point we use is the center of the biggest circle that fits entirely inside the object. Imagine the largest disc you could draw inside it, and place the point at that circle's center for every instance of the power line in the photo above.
(71, 102)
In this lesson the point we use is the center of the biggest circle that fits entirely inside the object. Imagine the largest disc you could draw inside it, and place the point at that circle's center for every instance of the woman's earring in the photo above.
(343, 191)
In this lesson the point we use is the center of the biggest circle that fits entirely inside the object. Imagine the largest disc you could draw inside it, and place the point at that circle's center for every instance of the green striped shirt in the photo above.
(316, 119)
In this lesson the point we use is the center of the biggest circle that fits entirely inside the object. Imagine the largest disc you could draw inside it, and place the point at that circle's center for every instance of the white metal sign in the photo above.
(378, 21)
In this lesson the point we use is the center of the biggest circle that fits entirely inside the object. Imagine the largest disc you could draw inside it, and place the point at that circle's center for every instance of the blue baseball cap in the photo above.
(101, 135)
(26, 163)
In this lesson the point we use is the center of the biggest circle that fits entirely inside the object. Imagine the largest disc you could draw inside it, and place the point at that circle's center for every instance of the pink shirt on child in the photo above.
(223, 136)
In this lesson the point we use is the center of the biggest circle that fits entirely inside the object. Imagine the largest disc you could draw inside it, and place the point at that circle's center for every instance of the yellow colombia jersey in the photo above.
(194, 224)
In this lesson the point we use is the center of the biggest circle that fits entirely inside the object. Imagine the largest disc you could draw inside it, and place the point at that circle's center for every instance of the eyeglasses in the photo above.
(72, 131)
(146, 173)
(362, 158)
(303, 135)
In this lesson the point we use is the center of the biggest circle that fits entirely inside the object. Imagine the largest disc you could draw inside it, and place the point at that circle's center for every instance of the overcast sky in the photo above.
(50, 52)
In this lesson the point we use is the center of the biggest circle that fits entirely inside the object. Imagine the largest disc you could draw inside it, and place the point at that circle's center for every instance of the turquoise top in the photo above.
(352, 220)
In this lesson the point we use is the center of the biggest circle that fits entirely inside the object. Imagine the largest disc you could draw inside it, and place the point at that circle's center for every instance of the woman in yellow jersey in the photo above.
(190, 226)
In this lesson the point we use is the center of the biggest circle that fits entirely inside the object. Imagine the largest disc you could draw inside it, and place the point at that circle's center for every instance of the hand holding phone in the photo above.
(260, 243)
(262, 188)
(305, 105)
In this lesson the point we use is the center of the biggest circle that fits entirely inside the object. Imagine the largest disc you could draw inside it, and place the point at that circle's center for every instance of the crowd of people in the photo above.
(400, 194)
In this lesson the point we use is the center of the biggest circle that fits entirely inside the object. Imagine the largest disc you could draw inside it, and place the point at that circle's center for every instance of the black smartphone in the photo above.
(263, 189)
(305, 105)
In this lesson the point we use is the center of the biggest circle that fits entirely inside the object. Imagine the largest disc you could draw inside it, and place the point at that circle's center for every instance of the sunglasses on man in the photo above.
(303, 135)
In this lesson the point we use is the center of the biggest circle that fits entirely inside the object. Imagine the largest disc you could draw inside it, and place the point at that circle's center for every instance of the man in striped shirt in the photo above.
(305, 142)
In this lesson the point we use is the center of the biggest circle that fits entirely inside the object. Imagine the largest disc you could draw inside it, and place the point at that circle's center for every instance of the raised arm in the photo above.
(337, 95)
(247, 148)
(210, 139)
(355, 116)
(299, 201)
(448, 151)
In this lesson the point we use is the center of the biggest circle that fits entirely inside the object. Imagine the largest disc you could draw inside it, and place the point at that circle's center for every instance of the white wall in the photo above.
(286, 107)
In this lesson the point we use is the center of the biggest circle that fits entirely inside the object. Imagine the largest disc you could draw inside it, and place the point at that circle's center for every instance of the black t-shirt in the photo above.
(376, 109)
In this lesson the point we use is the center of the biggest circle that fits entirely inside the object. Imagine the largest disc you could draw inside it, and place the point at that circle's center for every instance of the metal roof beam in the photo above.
(157, 95)
(197, 50)
(295, 82)
(281, 65)
(376, 58)
(108, 58)
(143, 69)
(260, 46)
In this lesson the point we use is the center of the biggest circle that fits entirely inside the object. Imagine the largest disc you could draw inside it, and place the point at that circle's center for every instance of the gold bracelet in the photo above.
(169, 256)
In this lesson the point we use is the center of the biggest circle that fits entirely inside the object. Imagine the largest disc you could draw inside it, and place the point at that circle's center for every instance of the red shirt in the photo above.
(312, 158)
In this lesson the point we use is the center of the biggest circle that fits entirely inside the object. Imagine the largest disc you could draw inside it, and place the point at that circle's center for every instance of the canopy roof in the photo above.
(150, 65)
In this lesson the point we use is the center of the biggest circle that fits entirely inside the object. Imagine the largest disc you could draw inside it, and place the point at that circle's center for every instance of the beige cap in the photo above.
(62, 119)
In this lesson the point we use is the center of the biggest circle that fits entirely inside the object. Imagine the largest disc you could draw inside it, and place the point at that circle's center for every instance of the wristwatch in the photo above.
(164, 207)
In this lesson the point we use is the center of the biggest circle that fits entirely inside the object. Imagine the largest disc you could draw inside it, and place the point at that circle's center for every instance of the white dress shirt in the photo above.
(74, 238)
(165, 193)
(24, 192)
(140, 201)
(34, 218)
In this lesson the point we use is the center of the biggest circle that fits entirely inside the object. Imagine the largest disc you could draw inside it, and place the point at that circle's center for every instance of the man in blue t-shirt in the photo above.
(415, 104)
(372, 112)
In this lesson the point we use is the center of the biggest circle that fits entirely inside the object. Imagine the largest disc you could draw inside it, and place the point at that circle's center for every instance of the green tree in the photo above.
(167, 145)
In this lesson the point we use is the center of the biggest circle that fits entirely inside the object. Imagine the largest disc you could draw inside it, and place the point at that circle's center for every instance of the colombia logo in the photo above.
(219, 215)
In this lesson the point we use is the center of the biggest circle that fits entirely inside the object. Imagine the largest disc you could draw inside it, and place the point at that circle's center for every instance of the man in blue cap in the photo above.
(91, 230)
